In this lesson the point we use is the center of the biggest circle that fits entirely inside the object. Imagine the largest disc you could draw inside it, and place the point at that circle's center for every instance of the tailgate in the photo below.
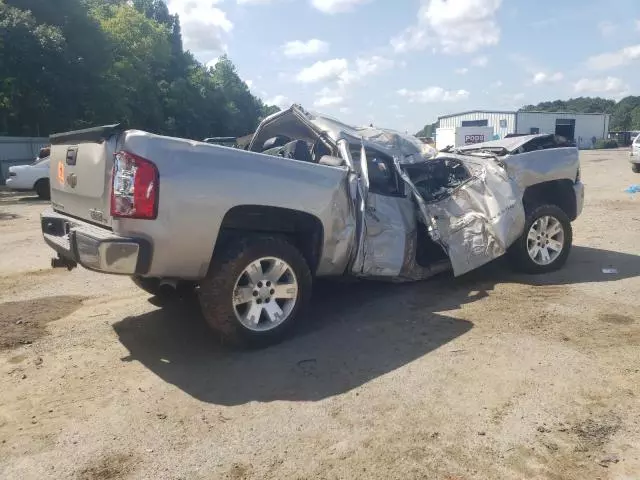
(80, 172)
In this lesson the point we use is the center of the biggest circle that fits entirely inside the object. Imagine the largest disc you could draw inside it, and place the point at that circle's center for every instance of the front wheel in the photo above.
(545, 244)
(42, 189)
(255, 290)
(635, 167)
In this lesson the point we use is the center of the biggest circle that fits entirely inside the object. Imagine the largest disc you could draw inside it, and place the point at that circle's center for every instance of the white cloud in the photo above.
(279, 101)
(482, 61)
(203, 25)
(462, 71)
(365, 67)
(526, 63)
(452, 26)
(511, 100)
(336, 6)
(609, 85)
(338, 69)
(329, 100)
(249, 83)
(433, 94)
(606, 61)
(212, 63)
(252, 2)
(323, 70)
(328, 96)
(298, 48)
(370, 66)
(497, 84)
(543, 77)
(607, 28)
(345, 110)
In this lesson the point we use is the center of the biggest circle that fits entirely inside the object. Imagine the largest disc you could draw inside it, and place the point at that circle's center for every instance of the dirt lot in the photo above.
(493, 375)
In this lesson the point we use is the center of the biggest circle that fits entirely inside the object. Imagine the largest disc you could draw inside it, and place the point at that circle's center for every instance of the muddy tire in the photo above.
(635, 167)
(42, 189)
(255, 291)
(546, 242)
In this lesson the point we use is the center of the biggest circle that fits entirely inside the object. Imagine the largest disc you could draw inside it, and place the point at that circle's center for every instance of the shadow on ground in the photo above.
(354, 333)
(11, 197)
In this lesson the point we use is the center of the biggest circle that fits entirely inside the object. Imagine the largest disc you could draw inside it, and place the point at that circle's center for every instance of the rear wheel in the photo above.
(255, 290)
(545, 244)
(42, 189)
(635, 167)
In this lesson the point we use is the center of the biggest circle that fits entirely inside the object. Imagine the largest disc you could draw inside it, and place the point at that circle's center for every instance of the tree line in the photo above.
(625, 114)
(71, 64)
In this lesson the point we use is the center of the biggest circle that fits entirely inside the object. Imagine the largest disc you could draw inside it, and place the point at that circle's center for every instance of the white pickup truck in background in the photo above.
(635, 155)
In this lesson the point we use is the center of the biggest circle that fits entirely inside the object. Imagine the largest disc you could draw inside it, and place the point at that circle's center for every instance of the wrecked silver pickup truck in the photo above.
(309, 197)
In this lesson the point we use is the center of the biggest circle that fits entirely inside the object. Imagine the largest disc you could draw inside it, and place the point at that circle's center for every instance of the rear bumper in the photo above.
(578, 189)
(93, 247)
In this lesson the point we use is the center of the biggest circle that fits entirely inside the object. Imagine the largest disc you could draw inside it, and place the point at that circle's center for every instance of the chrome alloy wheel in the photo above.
(545, 240)
(265, 294)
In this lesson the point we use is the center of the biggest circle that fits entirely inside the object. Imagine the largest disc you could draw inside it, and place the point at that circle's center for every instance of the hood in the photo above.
(506, 145)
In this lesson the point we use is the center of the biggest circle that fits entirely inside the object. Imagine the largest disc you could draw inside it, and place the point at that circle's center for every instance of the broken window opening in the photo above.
(383, 178)
(438, 178)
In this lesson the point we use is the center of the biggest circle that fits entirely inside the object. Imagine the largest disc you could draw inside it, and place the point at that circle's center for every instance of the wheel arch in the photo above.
(302, 229)
(38, 180)
(555, 192)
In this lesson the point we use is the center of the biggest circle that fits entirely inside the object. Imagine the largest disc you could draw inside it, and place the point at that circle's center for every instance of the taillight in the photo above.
(134, 189)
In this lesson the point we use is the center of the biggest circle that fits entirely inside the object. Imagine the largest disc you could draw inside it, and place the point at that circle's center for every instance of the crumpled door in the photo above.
(480, 219)
(385, 224)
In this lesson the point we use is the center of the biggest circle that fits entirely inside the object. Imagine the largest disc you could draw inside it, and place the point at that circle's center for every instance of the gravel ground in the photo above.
(492, 375)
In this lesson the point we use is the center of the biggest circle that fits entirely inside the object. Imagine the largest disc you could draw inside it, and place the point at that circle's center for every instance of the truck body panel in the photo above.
(365, 231)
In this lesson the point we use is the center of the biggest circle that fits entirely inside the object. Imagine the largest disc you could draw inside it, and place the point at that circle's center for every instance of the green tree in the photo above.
(28, 56)
(625, 114)
(74, 63)
(141, 56)
(429, 130)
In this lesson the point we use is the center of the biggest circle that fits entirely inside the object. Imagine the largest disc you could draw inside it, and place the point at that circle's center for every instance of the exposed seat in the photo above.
(296, 150)
(331, 161)
(274, 142)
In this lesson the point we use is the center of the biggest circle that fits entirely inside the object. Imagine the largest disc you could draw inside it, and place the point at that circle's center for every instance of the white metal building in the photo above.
(503, 123)
(580, 127)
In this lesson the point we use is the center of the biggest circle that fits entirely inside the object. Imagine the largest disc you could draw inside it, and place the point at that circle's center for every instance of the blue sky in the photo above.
(402, 63)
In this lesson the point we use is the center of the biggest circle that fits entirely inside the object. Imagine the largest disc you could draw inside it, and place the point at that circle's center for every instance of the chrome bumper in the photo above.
(93, 247)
